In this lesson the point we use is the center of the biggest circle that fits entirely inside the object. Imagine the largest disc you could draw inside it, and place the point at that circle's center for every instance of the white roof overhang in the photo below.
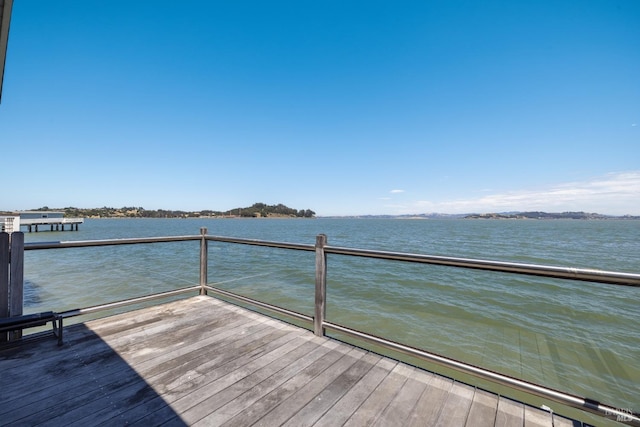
(5, 18)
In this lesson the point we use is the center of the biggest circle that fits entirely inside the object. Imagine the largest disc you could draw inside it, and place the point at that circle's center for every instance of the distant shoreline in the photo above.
(197, 217)
(501, 216)
(110, 213)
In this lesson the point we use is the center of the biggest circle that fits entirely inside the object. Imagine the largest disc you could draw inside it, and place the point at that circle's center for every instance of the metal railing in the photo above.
(320, 324)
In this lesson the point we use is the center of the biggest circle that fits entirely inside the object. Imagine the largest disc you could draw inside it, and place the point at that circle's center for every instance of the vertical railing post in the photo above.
(16, 279)
(321, 285)
(204, 259)
(4, 280)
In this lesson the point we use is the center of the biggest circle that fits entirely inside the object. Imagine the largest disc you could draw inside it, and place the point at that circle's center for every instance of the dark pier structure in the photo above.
(55, 220)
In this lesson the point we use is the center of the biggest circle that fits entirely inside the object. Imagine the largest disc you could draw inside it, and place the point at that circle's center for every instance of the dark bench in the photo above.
(16, 323)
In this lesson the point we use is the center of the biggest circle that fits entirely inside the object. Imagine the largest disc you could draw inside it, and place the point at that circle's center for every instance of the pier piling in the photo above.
(55, 224)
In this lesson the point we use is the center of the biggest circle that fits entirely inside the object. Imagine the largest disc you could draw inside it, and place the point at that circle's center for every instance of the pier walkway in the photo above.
(57, 223)
(201, 361)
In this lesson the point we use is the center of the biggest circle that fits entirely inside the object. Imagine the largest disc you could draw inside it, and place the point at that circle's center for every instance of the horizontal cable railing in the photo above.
(320, 323)
(254, 302)
(127, 302)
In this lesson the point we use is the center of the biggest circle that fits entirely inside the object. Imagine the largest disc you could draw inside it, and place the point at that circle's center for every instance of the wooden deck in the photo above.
(200, 361)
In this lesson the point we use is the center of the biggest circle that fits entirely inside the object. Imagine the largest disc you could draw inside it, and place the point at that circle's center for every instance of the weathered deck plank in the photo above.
(324, 400)
(269, 397)
(378, 400)
(356, 395)
(400, 408)
(253, 388)
(430, 403)
(509, 413)
(483, 409)
(535, 418)
(200, 361)
(455, 410)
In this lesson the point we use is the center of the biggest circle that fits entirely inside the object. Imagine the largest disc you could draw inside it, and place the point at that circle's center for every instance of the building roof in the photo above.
(39, 212)
(5, 18)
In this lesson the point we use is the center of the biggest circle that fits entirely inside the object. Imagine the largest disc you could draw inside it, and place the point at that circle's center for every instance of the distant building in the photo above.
(40, 214)
(9, 224)
(32, 220)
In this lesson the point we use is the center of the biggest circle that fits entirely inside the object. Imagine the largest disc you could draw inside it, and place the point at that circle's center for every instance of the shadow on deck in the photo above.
(85, 382)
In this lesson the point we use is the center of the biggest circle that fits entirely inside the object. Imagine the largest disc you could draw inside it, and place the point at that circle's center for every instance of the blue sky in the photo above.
(345, 108)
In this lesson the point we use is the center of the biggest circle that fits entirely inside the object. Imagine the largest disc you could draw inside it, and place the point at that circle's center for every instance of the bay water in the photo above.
(578, 337)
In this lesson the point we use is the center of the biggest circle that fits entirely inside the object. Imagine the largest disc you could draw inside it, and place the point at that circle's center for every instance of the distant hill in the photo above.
(501, 215)
(407, 216)
(261, 210)
(547, 215)
(257, 210)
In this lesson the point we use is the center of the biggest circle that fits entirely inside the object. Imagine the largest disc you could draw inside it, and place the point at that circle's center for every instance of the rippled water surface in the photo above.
(575, 336)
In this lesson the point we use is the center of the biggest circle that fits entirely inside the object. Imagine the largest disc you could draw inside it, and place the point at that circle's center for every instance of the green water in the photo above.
(574, 336)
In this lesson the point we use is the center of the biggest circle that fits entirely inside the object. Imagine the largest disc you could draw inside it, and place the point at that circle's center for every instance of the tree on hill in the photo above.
(263, 210)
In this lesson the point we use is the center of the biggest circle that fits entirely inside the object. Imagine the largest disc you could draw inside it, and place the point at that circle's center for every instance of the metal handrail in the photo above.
(583, 274)
(106, 242)
(256, 242)
(322, 249)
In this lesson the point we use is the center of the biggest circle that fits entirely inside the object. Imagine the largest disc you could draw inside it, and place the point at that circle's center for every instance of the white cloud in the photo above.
(396, 191)
(614, 194)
